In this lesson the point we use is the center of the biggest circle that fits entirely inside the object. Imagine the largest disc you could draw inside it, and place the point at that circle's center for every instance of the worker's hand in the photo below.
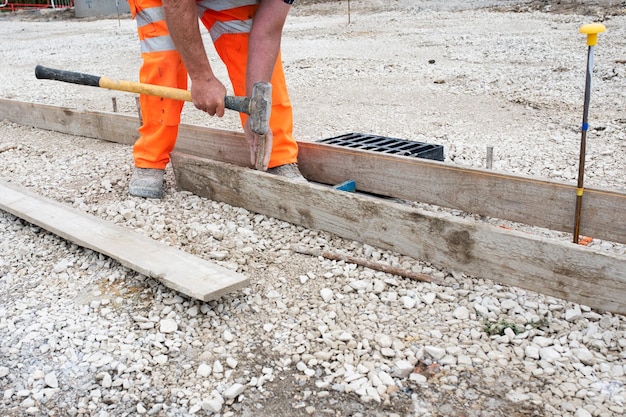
(260, 147)
(208, 95)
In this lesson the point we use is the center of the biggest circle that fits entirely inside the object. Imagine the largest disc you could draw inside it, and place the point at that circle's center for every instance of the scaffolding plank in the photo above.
(179, 270)
(560, 269)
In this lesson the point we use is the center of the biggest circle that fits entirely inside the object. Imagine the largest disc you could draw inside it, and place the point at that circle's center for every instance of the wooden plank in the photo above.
(175, 268)
(112, 127)
(529, 200)
(560, 269)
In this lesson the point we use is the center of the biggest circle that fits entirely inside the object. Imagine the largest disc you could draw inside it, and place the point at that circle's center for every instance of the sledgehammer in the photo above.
(258, 106)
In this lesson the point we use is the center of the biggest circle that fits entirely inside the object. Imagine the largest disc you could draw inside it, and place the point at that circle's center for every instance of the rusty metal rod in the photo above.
(378, 266)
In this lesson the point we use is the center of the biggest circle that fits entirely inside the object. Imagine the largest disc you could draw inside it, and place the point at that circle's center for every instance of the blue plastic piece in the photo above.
(349, 186)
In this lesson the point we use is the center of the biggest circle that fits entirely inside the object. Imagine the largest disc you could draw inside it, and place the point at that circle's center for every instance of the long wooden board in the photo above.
(529, 200)
(112, 127)
(175, 268)
(560, 269)
(533, 201)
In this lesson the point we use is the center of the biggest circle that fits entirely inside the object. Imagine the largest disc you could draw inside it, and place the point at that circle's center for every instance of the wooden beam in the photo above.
(113, 127)
(560, 269)
(175, 268)
(529, 200)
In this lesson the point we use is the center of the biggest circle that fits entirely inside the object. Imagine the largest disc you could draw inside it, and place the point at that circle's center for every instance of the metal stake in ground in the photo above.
(591, 30)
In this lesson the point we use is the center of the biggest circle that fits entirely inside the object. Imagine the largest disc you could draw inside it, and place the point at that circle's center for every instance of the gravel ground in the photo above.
(81, 335)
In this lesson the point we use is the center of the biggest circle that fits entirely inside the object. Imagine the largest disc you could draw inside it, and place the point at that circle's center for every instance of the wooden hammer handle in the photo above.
(240, 104)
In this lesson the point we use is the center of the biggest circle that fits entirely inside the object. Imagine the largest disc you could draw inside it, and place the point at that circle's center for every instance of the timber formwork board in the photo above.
(560, 269)
(529, 200)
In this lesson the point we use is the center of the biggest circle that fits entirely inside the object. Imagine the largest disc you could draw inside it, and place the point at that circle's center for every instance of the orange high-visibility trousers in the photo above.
(162, 65)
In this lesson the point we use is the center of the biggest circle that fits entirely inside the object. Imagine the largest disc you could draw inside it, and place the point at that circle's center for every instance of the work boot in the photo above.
(290, 171)
(146, 182)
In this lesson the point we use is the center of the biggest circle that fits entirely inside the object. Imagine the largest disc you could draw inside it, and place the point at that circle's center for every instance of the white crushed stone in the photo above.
(82, 335)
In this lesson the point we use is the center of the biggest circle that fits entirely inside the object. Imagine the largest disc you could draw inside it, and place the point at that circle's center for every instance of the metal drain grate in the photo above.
(388, 145)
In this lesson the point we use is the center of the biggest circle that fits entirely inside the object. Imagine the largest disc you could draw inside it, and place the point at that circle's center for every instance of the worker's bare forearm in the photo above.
(265, 37)
(184, 28)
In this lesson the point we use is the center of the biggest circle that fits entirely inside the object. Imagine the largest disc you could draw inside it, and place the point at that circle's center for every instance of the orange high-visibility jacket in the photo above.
(229, 23)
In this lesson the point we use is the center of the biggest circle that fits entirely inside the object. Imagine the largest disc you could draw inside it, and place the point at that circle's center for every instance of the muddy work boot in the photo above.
(146, 182)
(290, 171)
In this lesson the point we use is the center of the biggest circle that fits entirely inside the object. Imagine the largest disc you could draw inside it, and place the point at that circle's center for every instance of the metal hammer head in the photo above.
(260, 107)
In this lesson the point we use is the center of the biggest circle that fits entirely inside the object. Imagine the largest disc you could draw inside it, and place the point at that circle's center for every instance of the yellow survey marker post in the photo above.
(591, 30)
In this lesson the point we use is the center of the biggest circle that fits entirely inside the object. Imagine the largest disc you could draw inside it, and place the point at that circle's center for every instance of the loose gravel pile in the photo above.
(80, 335)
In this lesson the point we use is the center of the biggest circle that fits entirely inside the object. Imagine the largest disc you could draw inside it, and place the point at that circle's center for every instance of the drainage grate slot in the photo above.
(388, 145)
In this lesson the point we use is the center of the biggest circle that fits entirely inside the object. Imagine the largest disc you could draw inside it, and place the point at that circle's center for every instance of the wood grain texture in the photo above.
(175, 268)
(564, 270)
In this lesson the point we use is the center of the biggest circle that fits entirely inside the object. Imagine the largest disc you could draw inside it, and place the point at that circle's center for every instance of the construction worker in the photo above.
(246, 35)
